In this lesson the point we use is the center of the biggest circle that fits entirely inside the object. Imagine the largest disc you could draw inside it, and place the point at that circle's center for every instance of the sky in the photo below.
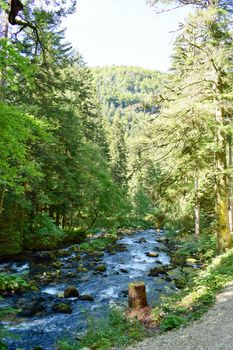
(123, 32)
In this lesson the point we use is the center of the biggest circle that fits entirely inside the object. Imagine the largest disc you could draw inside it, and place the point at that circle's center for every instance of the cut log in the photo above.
(137, 295)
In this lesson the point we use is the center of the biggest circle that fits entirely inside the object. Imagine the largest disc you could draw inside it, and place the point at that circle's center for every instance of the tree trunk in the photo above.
(197, 207)
(2, 196)
(230, 204)
(223, 232)
(137, 295)
(57, 216)
(3, 78)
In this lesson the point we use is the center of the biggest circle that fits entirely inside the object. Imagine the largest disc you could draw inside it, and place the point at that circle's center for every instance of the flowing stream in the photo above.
(39, 326)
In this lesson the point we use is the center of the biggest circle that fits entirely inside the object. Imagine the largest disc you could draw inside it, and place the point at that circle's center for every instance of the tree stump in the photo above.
(137, 295)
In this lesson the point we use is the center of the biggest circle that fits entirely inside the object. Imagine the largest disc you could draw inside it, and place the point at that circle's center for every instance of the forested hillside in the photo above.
(127, 99)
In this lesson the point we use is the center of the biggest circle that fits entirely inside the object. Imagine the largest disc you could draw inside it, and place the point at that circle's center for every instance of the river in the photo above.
(37, 325)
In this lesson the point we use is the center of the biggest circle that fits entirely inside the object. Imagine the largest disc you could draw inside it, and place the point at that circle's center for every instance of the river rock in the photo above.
(124, 271)
(159, 281)
(178, 276)
(34, 306)
(97, 259)
(162, 248)
(57, 264)
(41, 257)
(155, 271)
(141, 240)
(175, 274)
(71, 292)
(86, 297)
(62, 308)
(100, 268)
(82, 269)
(152, 254)
(163, 240)
(188, 270)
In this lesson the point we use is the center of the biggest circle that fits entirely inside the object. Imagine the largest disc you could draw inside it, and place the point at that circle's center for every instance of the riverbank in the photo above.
(213, 331)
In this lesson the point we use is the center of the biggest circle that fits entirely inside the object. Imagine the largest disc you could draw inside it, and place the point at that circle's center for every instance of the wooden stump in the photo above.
(137, 295)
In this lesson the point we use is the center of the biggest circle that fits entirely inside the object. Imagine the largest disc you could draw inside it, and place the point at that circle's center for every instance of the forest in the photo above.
(89, 156)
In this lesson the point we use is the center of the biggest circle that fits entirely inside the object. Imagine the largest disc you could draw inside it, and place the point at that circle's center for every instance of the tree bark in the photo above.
(230, 204)
(137, 295)
(3, 77)
(197, 207)
(223, 232)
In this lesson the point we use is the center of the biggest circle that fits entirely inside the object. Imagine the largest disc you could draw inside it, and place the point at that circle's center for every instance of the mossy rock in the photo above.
(181, 282)
(82, 269)
(175, 273)
(62, 308)
(57, 264)
(101, 268)
(159, 281)
(77, 257)
(86, 297)
(71, 292)
(188, 270)
(155, 271)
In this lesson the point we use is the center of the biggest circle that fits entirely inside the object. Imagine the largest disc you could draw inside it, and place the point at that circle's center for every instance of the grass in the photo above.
(115, 331)
(191, 303)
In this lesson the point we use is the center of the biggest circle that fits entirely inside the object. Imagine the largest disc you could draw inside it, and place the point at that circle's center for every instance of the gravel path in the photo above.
(214, 331)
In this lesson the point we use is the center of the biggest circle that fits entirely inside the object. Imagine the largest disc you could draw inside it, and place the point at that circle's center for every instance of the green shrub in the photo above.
(202, 249)
(171, 321)
(45, 234)
(97, 244)
(11, 241)
(12, 283)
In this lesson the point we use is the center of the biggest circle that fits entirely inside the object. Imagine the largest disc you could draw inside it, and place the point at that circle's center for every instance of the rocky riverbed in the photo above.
(70, 286)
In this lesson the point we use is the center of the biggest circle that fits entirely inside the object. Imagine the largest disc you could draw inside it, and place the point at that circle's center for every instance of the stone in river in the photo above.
(62, 308)
(152, 254)
(155, 271)
(141, 240)
(71, 292)
(86, 297)
(100, 268)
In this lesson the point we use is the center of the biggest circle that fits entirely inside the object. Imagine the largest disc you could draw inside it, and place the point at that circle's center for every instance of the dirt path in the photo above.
(213, 332)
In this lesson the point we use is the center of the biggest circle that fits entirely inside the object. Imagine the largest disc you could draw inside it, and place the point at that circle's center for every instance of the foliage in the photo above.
(190, 303)
(54, 169)
(115, 331)
(201, 249)
(44, 234)
(12, 283)
(170, 322)
(97, 244)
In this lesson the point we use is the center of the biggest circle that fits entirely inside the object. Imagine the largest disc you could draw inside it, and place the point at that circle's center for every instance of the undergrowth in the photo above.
(191, 303)
(115, 331)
